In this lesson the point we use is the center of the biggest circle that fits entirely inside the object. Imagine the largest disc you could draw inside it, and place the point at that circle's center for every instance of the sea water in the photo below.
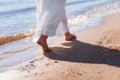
(18, 18)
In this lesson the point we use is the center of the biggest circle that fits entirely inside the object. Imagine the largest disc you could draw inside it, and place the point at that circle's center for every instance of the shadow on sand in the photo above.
(85, 53)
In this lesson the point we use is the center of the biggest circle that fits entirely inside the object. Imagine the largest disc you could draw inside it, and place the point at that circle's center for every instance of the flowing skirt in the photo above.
(51, 18)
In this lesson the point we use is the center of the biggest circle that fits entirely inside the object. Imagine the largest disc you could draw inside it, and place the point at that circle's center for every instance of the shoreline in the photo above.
(94, 53)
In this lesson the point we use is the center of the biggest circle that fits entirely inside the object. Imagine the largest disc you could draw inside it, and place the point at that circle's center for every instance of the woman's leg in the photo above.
(48, 18)
(43, 43)
(68, 35)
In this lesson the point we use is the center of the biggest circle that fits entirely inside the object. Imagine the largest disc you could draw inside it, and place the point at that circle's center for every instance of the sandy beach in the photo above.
(94, 55)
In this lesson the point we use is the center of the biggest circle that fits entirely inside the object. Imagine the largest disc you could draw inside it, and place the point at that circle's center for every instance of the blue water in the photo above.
(17, 16)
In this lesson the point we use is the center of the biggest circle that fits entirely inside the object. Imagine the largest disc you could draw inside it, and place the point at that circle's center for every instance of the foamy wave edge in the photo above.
(15, 37)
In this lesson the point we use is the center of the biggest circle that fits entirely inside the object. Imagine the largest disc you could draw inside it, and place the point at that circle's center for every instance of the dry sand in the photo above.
(94, 55)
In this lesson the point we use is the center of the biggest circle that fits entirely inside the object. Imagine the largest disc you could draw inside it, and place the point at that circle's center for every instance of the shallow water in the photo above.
(20, 21)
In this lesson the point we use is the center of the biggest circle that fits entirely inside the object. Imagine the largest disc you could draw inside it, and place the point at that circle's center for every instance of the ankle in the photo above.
(43, 37)
(67, 34)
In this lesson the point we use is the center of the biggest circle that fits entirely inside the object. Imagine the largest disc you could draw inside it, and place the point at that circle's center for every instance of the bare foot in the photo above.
(69, 36)
(43, 43)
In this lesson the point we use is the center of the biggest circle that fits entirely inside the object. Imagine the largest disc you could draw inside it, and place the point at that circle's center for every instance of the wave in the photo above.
(7, 39)
(83, 2)
(18, 11)
(3, 2)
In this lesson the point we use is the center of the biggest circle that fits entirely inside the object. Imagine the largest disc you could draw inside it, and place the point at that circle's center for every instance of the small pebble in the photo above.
(55, 61)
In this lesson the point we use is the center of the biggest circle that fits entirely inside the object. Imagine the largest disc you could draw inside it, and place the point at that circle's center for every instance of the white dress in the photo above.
(51, 18)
